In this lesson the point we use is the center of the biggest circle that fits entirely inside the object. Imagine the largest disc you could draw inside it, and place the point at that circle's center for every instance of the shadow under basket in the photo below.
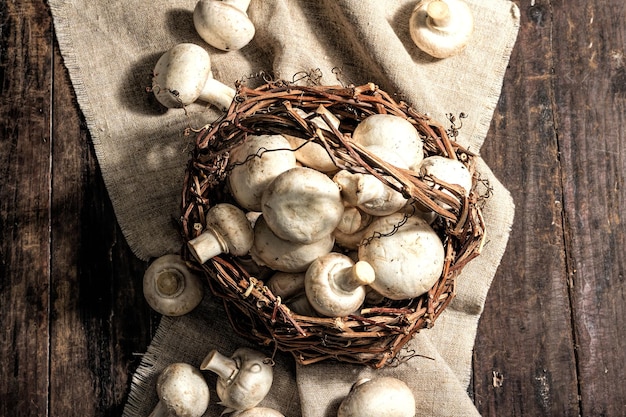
(376, 333)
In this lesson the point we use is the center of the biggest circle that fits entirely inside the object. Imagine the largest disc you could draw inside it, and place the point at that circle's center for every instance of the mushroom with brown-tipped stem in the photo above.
(227, 230)
(170, 287)
(378, 397)
(183, 75)
(224, 24)
(182, 391)
(243, 380)
(335, 285)
(441, 28)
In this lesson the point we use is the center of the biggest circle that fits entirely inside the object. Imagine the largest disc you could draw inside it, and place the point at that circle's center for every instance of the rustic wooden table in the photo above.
(73, 321)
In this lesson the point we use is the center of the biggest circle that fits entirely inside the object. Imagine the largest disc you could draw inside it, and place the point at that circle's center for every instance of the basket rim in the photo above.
(376, 336)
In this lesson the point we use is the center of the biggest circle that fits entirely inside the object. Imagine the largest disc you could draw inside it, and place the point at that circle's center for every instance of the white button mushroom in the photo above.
(286, 285)
(368, 193)
(170, 288)
(335, 285)
(302, 205)
(441, 28)
(227, 231)
(244, 379)
(283, 255)
(182, 391)
(378, 397)
(392, 132)
(406, 254)
(224, 24)
(255, 164)
(183, 75)
(449, 171)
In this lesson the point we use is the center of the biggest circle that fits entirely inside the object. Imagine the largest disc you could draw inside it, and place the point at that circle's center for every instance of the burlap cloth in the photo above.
(110, 48)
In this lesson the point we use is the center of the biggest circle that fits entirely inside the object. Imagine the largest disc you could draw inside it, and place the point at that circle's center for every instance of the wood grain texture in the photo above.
(73, 322)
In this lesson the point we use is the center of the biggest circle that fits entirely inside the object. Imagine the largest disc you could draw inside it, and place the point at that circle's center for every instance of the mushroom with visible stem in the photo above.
(406, 253)
(227, 231)
(394, 133)
(170, 287)
(441, 28)
(368, 193)
(282, 255)
(183, 75)
(302, 205)
(182, 391)
(335, 285)
(351, 229)
(378, 397)
(255, 164)
(224, 24)
(243, 380)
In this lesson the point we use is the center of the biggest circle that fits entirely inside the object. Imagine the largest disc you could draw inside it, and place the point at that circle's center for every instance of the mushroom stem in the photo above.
(207, 245)
(217, 93)
(438, 13)
(351, 278)
(222, 365)
(169, 283)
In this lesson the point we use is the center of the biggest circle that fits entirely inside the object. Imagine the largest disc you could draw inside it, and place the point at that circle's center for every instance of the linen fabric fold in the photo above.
(110, 48)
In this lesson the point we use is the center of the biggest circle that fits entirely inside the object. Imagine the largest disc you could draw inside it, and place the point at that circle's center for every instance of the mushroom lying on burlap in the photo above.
(183, 75)
(182, 391)
(244, 379)
(227, 231)
(224, 24)
(441, 28)
(406, 254)
(170, 287)
(378, 397)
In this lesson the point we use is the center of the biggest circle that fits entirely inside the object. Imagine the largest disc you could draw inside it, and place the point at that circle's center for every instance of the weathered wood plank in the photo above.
(25, 81)
(99, 317)
(525, 362)
(590, 95)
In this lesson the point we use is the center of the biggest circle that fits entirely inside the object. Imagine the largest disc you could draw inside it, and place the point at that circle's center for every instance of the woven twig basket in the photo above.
(375, 335)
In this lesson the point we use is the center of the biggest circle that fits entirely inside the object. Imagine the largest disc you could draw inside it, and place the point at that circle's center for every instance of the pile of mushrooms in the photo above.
(333, 238)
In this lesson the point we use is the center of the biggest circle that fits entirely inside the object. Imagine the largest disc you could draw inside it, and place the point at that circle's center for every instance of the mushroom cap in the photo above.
(378, 397)
(448, 170)
(406, 254)
(254, 167)
(233, 226)
(286, 285)
(170, 288)
(283, 255)
(222, 25)
(392, 132)
(302, 205)
(326, 284)
(249, 386)
(180, 74)
(441, 28)
(183, 390)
